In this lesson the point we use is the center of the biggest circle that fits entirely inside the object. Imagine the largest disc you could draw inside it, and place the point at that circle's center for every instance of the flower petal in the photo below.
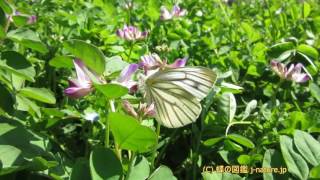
(178, 63)
(81, 70)
(77, 92)
(165, 14)
(127, 72)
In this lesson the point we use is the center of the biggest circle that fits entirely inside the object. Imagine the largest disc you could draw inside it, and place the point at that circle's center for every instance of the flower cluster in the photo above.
(150, 64)
(131, 33)
(176, 12)
(141, 112)
(292, 73)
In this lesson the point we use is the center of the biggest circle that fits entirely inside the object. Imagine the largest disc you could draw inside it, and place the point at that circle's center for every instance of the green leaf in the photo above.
(39, 94)
(24, 104)
(315, 173)
(20, 20)
(241, 140)
(112, 91)
(18, 146)
(28, 39)
(212, 141)
(88, 53)
(306, 9)
(6, 100)
(244, 159)
(80, 170)
(227, 106)
(272, 158)
(140, 168)
(7, 8)
(308, 50)
(17, 64)
(307, 146)
(277, 49)
(220, 176)
(231, 146)
(41, 164)
(153, 9)
(62, 62)
(130, 135)
(161, 173)
(104, 164)
(249, 108)
(315, 91)
(295, 163)
(252, 34)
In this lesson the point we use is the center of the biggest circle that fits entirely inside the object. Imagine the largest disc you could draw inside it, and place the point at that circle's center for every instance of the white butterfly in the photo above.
(176, 94)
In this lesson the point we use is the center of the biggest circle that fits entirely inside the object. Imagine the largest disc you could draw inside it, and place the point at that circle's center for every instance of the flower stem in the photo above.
(154, 153)
(116, 146)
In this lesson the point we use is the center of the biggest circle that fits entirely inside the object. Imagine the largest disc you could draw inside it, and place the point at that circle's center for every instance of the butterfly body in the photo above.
(176, 94)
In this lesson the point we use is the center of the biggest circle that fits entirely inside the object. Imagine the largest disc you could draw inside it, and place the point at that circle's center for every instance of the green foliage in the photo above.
(250, 118)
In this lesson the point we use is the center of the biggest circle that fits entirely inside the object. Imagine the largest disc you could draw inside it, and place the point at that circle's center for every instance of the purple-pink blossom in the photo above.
(32, 19)
(142, 111)
(125, 77)
(131, 33)
(82, 85)
(176, 12)
(153, 61)
(292, 73)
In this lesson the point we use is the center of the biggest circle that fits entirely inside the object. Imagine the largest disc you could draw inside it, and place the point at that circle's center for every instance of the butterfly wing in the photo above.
(176, 94)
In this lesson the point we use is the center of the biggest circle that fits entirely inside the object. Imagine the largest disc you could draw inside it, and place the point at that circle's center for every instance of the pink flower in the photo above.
(142, 111)
(125, 77)
(131, 33)
(293, 73)
(178, 63)
(176, 12)
(32, 19)
(147, 110)
(150, 62)
(127, 106)
(81, 86)
(153, 62)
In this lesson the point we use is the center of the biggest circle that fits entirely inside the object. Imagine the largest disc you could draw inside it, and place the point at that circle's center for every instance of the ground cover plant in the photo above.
(132, 89)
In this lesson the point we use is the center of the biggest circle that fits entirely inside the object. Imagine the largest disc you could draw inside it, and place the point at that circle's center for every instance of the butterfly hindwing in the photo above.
(176, 94)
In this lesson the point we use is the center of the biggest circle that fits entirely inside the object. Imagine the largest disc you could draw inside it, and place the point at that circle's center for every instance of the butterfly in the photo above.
(176, 94)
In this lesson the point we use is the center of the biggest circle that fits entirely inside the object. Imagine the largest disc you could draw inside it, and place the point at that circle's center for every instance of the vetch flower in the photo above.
(154, 62)
(151, 61)
(178, 63)
(165, 14)
(81, 86)
(125, 77)
(127, 106)
(131, 33)
(32, 19)
(147, 110)
(176, 12)
(292, 73)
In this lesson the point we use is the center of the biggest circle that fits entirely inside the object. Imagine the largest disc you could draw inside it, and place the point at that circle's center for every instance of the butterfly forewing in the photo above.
(176, 94)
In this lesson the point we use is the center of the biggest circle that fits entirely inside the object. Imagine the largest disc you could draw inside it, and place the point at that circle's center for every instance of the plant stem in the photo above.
(233, 123)
(154, 153)
(117, 149)
(131, 163)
